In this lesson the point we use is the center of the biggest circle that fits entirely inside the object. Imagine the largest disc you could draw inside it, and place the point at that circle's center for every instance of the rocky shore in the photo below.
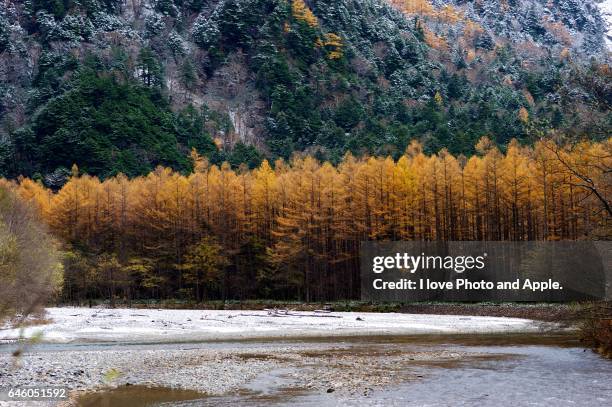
(319, 367)
(89, 350)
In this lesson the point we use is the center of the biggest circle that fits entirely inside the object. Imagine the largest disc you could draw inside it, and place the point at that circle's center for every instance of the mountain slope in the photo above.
(605, 7)
(574, 24)
(122, 87)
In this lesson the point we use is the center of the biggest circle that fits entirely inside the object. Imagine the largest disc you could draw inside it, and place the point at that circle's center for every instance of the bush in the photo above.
(30, 267)
(596, 330)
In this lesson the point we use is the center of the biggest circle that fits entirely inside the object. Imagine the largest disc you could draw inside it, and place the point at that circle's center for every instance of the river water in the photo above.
(509, 371)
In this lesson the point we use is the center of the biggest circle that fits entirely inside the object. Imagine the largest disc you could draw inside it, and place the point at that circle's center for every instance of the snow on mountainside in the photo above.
(574, 24)
(606, 11)
(243, 80)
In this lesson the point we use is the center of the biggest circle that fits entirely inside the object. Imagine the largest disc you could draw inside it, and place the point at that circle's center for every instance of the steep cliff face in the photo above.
(124, 85)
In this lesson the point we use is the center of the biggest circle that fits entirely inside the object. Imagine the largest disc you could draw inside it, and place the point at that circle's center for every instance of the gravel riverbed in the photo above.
(216, 353)
(321, 367)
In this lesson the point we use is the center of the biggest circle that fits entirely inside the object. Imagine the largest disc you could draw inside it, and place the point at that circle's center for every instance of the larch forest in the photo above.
(292, 230)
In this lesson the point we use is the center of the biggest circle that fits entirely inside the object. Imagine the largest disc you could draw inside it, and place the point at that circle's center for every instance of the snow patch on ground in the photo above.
(157, 325)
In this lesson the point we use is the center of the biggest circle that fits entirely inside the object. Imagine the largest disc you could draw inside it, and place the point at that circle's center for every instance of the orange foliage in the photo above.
(310, 217)
(422, 7)
(559, 32)
(449, 14)
(434, 41)
(301, 12)
(377, 197)
(333, 43)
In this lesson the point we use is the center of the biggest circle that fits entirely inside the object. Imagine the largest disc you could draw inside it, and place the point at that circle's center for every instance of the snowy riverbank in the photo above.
(156, 325)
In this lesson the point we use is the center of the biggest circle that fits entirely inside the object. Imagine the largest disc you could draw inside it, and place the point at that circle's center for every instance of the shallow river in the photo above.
(507, 371)
(522, 375)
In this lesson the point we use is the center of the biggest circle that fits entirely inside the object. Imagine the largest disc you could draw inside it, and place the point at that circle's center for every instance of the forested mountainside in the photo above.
(576, 24)
(123, 86)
